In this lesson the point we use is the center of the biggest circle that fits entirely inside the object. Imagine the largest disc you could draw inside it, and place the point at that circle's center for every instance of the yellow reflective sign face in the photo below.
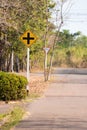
(28, 38)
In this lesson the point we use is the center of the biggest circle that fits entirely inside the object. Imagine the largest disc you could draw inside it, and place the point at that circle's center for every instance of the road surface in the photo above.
(63, 106)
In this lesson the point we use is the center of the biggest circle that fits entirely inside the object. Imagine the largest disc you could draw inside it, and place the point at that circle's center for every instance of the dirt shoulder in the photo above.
(37, 85)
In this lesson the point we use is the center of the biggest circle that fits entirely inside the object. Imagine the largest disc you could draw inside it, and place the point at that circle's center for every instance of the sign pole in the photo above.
(28, 56)
(45, 60)
(28, 38)
(45, 69)
(46, 52)
(12, 61)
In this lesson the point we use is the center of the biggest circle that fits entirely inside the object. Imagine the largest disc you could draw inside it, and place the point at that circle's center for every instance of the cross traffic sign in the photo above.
(28, 38)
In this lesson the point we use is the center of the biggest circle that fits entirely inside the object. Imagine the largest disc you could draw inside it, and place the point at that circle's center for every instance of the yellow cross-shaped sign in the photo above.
(28, 38)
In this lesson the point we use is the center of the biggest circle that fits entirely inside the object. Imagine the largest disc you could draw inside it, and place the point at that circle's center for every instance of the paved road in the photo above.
(63, 106)
(82, 71)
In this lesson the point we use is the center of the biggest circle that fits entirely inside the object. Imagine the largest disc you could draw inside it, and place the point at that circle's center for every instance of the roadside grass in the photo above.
(34, 95)
(2, 116)
(13, 118)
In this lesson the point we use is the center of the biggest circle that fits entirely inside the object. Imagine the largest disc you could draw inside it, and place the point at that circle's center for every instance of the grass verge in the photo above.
(2, 116)
(13, 118)
(34, 95)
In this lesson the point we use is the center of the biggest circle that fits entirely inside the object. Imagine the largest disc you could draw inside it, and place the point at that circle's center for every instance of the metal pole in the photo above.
(28, 55)
(45, 65)
(46, 60)
(12, 61)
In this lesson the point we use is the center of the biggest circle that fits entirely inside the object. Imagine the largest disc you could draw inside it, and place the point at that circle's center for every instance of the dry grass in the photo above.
(37, 85)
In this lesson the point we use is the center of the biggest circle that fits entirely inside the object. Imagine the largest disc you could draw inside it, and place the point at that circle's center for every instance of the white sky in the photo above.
(77, 17)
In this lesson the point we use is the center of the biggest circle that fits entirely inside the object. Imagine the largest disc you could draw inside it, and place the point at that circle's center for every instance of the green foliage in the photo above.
(67, 39)
(82, 41)
(13, 118)
(12, 87)
(75, 56)
(2, 116)
(71, 50)
(22, 15)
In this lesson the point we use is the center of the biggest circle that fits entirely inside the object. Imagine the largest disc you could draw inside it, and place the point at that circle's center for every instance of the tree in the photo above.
(67, 39)
(59, 23)
(19, 16)
(71, 50)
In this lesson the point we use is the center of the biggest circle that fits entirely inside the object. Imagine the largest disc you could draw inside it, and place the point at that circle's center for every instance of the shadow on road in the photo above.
(53, 124)
(78, 71)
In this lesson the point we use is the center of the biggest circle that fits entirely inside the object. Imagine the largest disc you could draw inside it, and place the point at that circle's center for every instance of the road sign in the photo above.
(46, 49)
(28, 38)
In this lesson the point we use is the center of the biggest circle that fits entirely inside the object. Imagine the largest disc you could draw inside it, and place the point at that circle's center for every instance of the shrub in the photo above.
(12, 86)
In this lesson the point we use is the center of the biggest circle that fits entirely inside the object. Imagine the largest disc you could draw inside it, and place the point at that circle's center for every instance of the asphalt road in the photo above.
(63, 106)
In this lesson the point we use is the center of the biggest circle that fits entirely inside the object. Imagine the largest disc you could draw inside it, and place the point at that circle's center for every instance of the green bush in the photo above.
(12, 86)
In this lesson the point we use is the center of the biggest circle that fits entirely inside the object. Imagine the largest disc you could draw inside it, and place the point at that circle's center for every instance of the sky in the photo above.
(76, 17)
